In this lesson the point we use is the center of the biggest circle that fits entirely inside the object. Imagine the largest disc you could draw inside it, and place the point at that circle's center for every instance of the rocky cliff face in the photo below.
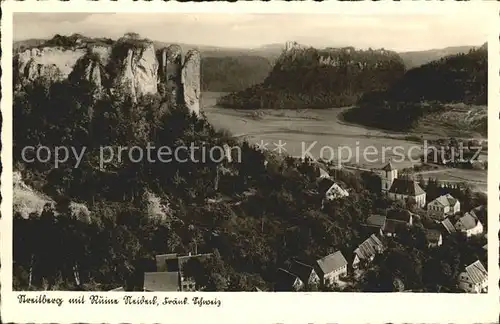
(28, 202)
(170, 70)
(191, 80)
(134, 65)
(138, 71)
(52, 63)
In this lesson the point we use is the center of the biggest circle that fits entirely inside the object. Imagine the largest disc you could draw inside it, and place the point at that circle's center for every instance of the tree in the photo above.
(210, 274)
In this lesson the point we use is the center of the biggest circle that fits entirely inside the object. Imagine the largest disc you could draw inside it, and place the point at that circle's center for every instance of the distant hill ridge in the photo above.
(304, 76)
(417, 58)
(429, 89)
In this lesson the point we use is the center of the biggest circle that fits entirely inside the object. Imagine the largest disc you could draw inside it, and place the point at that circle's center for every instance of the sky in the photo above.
(394, 32)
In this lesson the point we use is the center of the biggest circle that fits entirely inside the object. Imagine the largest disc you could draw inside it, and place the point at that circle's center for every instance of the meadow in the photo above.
(323, 128)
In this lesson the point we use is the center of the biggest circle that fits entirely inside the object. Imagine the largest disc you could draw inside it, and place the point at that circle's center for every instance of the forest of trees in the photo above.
(270, 213)
(228, 74)
(312, 78)
(461, 78)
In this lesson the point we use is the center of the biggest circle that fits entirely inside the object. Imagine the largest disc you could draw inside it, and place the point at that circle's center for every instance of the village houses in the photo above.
(331, 268)
(443, 206)
(400, 188)
(474, 279)
(366, 251)
(468, 224)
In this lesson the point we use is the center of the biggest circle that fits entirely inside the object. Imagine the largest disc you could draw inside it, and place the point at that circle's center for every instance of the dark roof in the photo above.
(432, 235)
(161, 281)
(185, 258)
(285, 280)
(376, 220)
(331, 262)
(324, 184)
(393, 225)
(407, 187)
(388, 167)
(448, 225)
(301, 270)
(166, 262)
(478, 211)
(399, 214)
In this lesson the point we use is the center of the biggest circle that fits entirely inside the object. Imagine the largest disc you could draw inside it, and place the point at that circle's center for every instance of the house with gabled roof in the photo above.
(387, 175)
(374, 224)
(469, 225)
(404, 189)
(305, 273)
(474, 279)
(443, 206)
(331, 268)
(287, 281)
(336, 192)
(366, 251)
(323, 174)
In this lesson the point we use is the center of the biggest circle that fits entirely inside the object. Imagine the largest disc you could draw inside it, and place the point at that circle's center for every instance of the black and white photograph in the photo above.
(248, 152)
(143, 164)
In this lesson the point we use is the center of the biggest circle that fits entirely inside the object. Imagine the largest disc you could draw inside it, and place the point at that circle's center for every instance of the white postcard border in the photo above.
(261, 307)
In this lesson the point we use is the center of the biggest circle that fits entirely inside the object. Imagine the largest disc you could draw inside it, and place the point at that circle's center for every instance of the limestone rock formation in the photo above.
(26, 200)
(191, 80)
(29, 202)
(157, 209)
(139, 71)
(170, 72)
(90, 68)
(51, 63)
(129, 63)
(80, 212)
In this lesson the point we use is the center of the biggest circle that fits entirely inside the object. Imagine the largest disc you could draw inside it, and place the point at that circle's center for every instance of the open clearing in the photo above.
(458, 120)
(323, 132)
